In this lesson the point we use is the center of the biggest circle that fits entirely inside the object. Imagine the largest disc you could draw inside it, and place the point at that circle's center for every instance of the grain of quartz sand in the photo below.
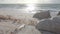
(50, 25)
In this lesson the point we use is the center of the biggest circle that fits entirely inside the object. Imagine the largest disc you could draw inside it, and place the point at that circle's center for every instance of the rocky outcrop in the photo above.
(42, 15)
(27, 21)
(50, 25)
(29, 30)
(58, 13)
(11, 25)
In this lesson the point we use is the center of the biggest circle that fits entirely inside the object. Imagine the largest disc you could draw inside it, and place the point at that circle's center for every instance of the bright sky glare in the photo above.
(30, 1)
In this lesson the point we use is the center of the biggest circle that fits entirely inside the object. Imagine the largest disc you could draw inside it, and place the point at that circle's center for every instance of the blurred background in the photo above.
(27, 7)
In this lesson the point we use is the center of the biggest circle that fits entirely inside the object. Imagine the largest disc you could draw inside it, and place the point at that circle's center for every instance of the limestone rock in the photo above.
(44, 25)
(28, 30)
(42, 15)
(58, 13)
(46, 32)
(49, 25)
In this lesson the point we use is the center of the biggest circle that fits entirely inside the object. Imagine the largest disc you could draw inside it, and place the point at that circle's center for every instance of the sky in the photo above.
(31, 1)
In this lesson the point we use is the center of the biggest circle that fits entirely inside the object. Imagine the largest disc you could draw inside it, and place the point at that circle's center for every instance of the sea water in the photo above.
(15, 9)
(39, 6)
